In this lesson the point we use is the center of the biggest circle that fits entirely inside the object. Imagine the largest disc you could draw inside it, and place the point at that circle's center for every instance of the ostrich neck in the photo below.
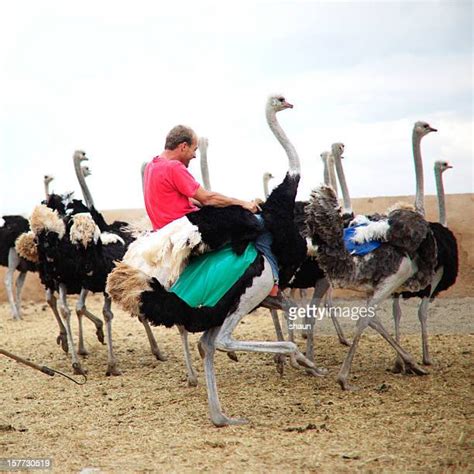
(82, 183)
(293, 159)
(205, 170)
(46, 189)
(265, 187)
(441, 198)
(327, 180)
(344, 189)
(420, 191)
(332, 176)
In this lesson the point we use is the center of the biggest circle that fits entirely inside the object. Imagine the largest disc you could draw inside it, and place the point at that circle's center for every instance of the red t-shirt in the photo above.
(168, 185)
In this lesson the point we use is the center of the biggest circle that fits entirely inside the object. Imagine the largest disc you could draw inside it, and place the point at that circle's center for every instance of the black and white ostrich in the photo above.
(405, 261)
(99, 257)
(447, 261)
(141, 293)
(11, 227)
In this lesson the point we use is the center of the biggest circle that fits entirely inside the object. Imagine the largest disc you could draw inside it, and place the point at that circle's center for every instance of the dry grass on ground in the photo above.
(149, 420)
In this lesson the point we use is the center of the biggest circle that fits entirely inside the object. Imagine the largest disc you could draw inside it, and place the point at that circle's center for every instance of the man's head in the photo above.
(183, 142)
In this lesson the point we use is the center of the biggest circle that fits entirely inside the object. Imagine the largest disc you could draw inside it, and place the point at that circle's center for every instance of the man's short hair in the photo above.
(177, 135)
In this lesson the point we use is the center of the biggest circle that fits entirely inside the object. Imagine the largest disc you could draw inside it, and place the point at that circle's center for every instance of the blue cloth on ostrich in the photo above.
(208, 277)
(358, 249)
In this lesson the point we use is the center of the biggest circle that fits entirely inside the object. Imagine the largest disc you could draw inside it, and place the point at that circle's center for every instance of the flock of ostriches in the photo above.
(75, 251)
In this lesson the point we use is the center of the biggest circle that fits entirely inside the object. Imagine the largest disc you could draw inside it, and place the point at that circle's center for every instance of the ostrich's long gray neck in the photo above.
(266, 179)
(293, 159)
(441, 198)
(327, 179)
(204, 167)
(82, 183)
(420, 190)
(46, 189)
(332, 175)
(346, 199)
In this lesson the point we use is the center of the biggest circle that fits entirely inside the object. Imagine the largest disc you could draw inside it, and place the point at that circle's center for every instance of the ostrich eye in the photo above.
(281, 99)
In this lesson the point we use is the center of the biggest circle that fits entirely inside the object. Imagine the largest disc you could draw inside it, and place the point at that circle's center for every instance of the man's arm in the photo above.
(211, 198)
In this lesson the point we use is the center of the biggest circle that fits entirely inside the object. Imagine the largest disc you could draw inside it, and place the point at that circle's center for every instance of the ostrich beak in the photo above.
(288, 105)
(433, 129)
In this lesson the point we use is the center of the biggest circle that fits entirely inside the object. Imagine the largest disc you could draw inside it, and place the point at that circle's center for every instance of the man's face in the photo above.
(188, 152)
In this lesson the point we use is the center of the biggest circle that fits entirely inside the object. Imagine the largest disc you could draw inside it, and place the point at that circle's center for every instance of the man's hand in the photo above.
(252, 206)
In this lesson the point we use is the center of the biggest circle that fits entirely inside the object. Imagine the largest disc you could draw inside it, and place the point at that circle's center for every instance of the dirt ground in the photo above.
(148, 420)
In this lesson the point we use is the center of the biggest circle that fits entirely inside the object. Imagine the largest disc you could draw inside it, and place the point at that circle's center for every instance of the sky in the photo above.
(113, 77)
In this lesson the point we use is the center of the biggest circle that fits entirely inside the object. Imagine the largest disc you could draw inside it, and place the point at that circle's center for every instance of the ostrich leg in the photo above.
(81, 310)
(382, 292)
(397, 314)
(20, 281)
(191, 376)
(335, 322)
(112, 366)
(319, 291)
(155, 350)
(66, 315)
(13, 262)
(62, 337)
(221, 339)
(423, 316)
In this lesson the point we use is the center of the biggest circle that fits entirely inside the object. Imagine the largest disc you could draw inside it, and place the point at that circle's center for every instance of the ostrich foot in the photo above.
(344, 342)
(78, 370)
(294, 362)
(17, 317)
(112, 369)
(317, 371)
(192, 379)
(61, 340)
(398, 366)
(232, 356)
(82, 351)
(311, 369)
(159, 355)
(427, 361)
(345, 385)
(99, 332)
(414, 368)
(223, 420)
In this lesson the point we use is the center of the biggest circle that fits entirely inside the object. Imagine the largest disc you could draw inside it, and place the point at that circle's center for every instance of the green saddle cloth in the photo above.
(208, 277)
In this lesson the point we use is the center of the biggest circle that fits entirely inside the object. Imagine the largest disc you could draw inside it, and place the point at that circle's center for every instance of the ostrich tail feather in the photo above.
(125, 286)
(324, 229)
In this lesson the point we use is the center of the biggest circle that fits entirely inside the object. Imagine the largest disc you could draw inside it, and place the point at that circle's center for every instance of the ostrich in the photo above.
(446, 267)
(141, 293)
(405, 259)
(11, 227)
(99, 258)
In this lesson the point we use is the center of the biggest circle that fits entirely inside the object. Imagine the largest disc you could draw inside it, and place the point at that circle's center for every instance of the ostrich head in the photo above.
(277, 102)
(267, 176)
(442, 166)
(86, 171)
(423, 128)
(48, 178)
(325, 155)
(80, 155)
(337, 149)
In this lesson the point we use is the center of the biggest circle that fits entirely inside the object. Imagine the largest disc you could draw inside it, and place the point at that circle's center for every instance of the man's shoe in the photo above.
(273, 302)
